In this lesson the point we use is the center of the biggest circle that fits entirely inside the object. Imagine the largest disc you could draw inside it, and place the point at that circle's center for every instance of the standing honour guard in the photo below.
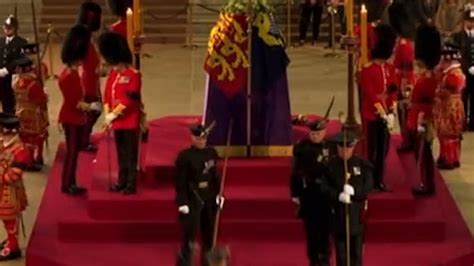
(347, 184)
(14, 157)
(10, 50)
(420, 116)
(73, 113)
(310, 157)
(378, 92)
(90, 15)
(197, 194)
(122, 103)
(32, 106)
(119, 9)
(403, 22)
(449, 110)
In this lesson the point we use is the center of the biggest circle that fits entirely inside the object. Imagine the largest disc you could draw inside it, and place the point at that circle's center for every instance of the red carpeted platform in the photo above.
(258, 221)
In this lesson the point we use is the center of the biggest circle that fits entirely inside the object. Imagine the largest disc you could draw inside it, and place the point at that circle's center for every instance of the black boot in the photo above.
(117, 187)
(12, 255)
(423, 191)
(74, 190)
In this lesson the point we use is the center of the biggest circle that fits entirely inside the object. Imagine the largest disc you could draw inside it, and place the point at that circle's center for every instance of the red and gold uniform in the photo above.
(32, 111)
(449, 115)
(420, 115)
(122, 101)
(14, 157)
(73, 118)
(90, 80)
(120, 26)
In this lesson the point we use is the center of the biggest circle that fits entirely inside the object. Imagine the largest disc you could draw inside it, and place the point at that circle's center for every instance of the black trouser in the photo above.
(199, 217)
(378, 138)
(92, 118)
(356, 246)
(341, 17)
(308, 11)
(468, 100)
(317, 238)
(426, 165)
(74, 135)
(6, 94)
(402, 110)
(126, 142)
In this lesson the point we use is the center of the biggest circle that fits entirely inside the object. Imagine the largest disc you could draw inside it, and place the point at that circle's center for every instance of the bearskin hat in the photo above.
(90, 15)
(119, 7)
(114, 48)
(401, 19)
(428, 45)
(385, 39)
(76, 44)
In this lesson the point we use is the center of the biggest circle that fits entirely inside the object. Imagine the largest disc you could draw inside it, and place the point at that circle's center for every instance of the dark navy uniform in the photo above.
(309, 166)
(10, 50)
(333, 185)
(197, 189)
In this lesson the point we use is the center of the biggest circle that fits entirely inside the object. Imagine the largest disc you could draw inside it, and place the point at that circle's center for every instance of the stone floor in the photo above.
(173, 83)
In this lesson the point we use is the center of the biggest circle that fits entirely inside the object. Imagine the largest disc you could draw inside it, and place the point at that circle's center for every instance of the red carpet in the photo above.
(257, 223)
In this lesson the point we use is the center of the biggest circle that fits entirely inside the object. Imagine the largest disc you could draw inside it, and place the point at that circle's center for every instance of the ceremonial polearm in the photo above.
(39, 70)
(346, 206)
(350, 123)
(250, 14)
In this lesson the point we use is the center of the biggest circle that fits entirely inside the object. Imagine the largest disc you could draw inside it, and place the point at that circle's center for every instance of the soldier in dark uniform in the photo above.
(10, 50)
(309, 164)
(352, 194)
(197, 194)
(310, 10)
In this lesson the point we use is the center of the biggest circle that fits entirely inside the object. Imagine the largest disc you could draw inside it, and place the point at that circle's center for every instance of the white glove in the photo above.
(345, 198)
(471, 70)
(96, 106)
(184, 209)
(3, 72)
(220, 202)
(421, 129)
(348, 189)
(296, 201)
(390, 120)
(109, 118)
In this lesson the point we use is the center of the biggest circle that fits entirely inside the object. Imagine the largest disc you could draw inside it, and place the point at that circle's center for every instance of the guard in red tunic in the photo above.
(403, 23)
(122, 103)
(32, 110)
(378, 87)
(119, 9)
(14, 157)
(449, 110)
(420, 115)
(73, 113)
(91, 16)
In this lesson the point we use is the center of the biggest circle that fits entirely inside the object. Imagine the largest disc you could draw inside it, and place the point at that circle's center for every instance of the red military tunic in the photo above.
(422, 99)
(90, 78)
(378, 86)
(122, 96)
(403, 62)
(449, 110)
(13, 157)
(32, 109)
(120, 26)
(70, 86)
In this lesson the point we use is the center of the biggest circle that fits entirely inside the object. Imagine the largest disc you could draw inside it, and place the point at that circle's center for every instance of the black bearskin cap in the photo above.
(114, 48)
(119, 7)
(90, 15)
(76, 44)
(401, 20)
(385, 39)
(428, 46)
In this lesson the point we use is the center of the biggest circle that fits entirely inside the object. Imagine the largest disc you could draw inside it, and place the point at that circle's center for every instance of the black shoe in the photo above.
(445, 166)
(74, 190)
(422, 191)
(382, 188)
(456, 164)
(117, 187)
(12, 255)
(91, 147)
(129, 190)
